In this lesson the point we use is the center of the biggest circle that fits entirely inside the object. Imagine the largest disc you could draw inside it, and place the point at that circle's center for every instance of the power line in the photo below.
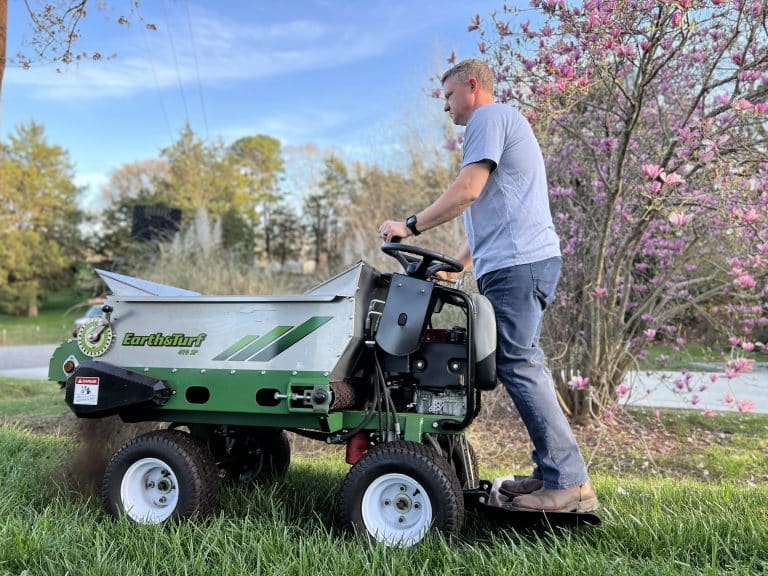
(157, 84)
(175, 61)
(197, 69)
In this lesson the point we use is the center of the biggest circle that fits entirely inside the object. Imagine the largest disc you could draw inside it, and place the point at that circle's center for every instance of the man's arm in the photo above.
(460, 194)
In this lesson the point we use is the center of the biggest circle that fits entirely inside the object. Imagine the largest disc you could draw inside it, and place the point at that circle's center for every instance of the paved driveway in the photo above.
(26, 361)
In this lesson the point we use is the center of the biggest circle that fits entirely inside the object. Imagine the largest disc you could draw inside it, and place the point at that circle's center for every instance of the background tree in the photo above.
(39, 235)
(322, 212)
(260, 160)
(191, 175)
(287, 234)
(131, 185)
(651, 115)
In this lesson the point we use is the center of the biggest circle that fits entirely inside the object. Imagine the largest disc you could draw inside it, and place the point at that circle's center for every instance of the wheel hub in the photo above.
(149, 491)
(396, 509)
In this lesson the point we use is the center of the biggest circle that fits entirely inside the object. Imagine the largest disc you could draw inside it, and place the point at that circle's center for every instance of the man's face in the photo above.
(458, 100)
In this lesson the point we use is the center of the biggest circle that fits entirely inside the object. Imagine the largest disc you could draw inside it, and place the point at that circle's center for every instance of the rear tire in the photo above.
(399, 491)
(159, 476)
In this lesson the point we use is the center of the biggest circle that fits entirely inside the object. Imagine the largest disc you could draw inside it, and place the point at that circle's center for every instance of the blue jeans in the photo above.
(519, 295)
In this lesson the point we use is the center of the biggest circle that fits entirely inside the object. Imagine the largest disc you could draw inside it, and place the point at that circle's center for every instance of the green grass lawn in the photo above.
(668, 518)
(650, 526)
(53, 324)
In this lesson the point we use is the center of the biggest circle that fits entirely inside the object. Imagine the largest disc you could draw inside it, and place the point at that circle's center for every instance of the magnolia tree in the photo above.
(652, 119)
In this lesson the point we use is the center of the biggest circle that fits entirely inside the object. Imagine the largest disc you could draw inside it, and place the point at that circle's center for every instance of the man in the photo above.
(502, 192)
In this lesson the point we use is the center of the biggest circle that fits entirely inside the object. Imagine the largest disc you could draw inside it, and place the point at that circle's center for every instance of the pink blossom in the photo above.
(720, 2)
(678, 219)
(751, 215)
(599, 292)
(748, 346)
(709, 412)
(650, 333)
(475, 23)
(695, 399)
(742, 364)
(671, 179)
(625, 50)
(734, 341)
(745, 281)
(741, 105)
(645, 44)
(578, 382)
(646, 318)
(655, 187)
(728, 398)
(622, 389)
(745, 406)
(651, 171)
(722, 99)
(676, 19)
(713, 378)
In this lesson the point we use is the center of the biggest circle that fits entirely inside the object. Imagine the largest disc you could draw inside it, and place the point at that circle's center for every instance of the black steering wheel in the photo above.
(428, 265)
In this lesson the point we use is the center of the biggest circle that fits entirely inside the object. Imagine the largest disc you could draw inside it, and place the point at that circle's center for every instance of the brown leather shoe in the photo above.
(520, 486)
(577, 499)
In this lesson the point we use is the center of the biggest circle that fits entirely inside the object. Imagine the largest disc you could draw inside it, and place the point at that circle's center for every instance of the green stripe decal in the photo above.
(235, 347)
(265, 340)
(295, 335)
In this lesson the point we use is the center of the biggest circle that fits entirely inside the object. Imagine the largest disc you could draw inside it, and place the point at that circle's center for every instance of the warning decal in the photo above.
(86, 390)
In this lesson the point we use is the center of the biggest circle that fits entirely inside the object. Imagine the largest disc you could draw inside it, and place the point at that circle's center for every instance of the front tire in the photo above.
(399, 491)
(159, 476)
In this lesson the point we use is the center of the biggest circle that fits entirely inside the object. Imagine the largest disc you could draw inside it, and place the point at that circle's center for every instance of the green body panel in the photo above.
(233, 398)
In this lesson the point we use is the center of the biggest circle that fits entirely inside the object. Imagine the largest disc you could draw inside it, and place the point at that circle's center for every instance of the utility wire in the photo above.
(175, 61)
(157, 84)
(197, 68)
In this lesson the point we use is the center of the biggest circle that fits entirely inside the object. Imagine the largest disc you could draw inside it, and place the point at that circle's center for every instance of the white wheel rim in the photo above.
(396, 510)
(149, 491)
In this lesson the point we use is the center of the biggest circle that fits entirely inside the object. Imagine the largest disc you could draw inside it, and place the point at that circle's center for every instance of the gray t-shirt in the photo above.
(510, 223)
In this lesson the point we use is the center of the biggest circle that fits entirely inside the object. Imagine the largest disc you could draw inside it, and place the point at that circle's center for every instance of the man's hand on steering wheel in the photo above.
(390, 230)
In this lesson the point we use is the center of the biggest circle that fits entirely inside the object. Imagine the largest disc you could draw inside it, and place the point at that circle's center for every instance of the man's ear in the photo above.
(473, 84)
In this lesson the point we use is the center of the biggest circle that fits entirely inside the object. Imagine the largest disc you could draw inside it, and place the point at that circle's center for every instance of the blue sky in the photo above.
(332, 73)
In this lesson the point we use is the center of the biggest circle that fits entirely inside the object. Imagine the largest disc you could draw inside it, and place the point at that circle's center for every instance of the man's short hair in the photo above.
(471, 68)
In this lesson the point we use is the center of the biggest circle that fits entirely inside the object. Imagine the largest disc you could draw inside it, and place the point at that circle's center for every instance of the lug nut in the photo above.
(402, 488)
(150, 485)
(387, 502)
(401, 519)
(162, 499)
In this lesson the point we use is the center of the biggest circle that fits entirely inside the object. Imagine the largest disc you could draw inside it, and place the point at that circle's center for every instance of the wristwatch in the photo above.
(411, 223)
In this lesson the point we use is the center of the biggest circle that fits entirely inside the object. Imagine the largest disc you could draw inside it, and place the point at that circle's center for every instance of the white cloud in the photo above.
(221, 50)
